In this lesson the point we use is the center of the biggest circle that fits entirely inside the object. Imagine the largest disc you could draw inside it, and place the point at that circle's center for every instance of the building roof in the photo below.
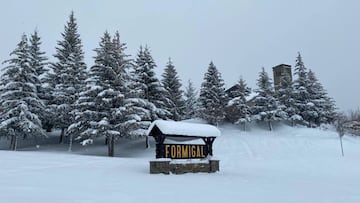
(185, 129)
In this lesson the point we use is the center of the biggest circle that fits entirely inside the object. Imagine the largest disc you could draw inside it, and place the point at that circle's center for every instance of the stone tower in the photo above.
(278, 71)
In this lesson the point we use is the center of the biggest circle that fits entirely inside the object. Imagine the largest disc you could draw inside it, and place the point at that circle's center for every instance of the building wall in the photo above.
(278, 71)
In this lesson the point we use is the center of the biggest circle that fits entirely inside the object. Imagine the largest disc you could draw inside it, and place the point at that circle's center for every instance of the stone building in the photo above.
(278, 71)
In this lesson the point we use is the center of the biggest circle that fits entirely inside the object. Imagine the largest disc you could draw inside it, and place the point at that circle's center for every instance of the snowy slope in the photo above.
(286, 165)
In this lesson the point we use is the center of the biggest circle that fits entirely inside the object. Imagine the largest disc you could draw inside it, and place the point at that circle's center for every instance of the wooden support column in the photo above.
(209, 142)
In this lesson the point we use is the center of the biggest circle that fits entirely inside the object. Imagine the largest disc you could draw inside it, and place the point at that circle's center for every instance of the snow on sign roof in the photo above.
(185, 129)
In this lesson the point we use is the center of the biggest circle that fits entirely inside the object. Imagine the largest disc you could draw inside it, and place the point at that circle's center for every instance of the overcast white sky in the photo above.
(240, 36)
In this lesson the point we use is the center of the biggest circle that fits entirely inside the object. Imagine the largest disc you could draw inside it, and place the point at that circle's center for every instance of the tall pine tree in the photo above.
(174, 102)
(300, 89)
(101, 108)
(38, 62)
(20, 104)
(148, 85)
(68, 77)
(212, 96)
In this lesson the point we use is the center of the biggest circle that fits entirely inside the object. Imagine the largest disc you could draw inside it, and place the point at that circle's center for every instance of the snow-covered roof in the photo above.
(185, 129)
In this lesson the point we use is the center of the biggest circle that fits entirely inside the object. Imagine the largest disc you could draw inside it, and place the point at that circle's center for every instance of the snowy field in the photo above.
(286, 165)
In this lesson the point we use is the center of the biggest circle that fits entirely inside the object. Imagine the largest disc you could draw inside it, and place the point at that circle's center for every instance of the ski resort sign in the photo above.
(177, 140)
(182, 132)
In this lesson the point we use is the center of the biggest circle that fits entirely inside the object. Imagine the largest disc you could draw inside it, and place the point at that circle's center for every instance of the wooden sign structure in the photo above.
(171, 142)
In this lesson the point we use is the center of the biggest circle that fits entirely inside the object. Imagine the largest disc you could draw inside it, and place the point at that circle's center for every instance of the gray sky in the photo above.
(240, 36)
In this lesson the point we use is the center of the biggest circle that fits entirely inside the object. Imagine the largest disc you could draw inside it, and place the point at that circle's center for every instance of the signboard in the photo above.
(181, 151)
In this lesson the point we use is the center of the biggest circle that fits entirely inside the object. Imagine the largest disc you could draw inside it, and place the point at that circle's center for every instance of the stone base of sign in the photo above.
(166, 167)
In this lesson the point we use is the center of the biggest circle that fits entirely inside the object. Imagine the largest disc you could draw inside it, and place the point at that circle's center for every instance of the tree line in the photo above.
(119, 96)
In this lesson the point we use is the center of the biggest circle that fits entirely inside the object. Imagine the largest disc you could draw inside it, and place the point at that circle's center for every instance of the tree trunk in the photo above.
(341, 144)
(48, 127)
(270, 126)
(106, 141)
(244, 126)
(15, 143)
(147, 145)
(111, 143)
(70, 141)
(61, 141)
(12, 142)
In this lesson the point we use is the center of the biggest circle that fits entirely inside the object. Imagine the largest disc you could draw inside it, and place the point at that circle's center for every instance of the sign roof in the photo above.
(185, 129)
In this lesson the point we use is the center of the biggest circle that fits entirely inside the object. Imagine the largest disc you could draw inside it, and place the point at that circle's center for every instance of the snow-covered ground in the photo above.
(286, 165)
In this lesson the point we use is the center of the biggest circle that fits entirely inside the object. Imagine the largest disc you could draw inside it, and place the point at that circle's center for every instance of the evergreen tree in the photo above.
(102, 108)
(191, 106)
(38, 62)
(68, 77)
(130, 111)
(20, 104)
(266, 107)
(285, 95)
(212, 96)
(175, 102)
(237, 110)
(149, 87)
(323, 108)
(300, 89)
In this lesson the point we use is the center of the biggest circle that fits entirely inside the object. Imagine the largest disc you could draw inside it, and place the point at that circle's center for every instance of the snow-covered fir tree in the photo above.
(266, 107)
(20, 104)
(102, 108)
(38, 62)
(174, 102)
(68, 76)
(130, 112)
(191, 106)
(322, 107)
(148, 85)
(300, 89)
(212, 98)
(237, 109)
(285, 95)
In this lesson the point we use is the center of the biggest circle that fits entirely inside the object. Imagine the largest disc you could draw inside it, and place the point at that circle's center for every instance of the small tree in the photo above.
(266, 107)
(190, 101)
(237, 109)
(340, 128)
(286, 97)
